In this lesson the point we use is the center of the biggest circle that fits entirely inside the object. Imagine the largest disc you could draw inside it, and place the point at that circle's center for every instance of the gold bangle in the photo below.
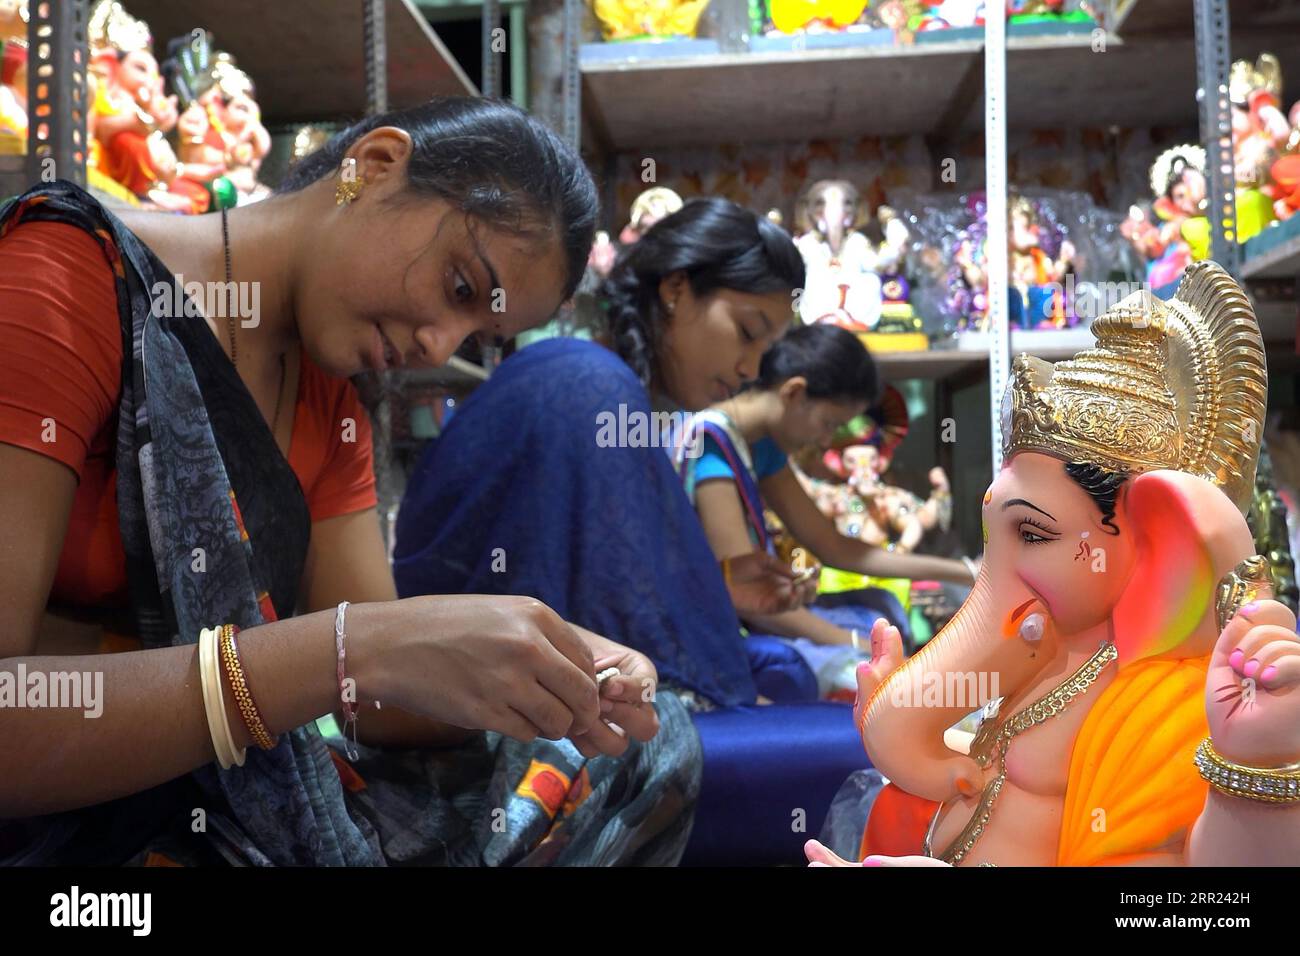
(239, 687)
(1268, 785)
(726, 571)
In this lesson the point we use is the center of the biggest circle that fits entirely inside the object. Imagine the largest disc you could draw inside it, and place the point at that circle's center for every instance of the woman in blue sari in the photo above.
(553, 481)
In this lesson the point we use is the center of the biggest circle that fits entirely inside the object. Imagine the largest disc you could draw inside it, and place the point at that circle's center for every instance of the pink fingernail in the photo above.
(1268, 673)
(1235, 659)
(1250, 608)
(871, 861)
(1252, 665)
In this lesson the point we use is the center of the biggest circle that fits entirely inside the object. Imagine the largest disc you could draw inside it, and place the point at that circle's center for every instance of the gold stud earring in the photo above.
(349, 185)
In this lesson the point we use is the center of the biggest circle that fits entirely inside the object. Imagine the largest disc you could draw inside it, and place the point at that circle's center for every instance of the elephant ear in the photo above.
(1189, 533)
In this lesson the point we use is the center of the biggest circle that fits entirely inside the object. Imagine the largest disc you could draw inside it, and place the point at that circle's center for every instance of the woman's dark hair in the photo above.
(489, 159)
(836, 364)
(718, 245)
(1101, 485)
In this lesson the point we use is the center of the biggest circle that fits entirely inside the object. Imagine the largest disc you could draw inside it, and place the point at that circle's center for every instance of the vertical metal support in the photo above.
(1213, 60)
(519, 56)
(995, 187)
(375, 42)
(57, 96)
(491, 84)
(572, 79)
(375, 39)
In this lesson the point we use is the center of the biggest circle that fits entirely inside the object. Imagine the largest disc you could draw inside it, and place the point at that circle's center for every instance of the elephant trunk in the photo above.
(834, 214)
(971, 661)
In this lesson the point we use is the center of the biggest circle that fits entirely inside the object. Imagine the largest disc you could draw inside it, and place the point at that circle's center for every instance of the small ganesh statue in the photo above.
(13, 96)
(888, 516)
(844, 284)
(202, 183)
(1259, 130)
(130, 114)
(1034, 275)
(1137, 661)
(238, 118)
(1183, 235)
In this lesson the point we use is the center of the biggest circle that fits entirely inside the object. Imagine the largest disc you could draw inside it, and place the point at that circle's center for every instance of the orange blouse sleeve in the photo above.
(342, 474)
(61, 361)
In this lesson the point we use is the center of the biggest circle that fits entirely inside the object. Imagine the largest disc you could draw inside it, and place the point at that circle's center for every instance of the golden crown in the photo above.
(1179, 384)
(112, 28)
(1264, 74)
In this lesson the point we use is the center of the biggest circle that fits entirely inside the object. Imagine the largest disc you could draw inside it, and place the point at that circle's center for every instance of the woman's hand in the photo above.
(761, 584)
(626, 699)
(508, 664)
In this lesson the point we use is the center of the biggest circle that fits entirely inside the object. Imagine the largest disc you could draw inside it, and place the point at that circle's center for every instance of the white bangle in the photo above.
(856, 638)
(970, 566)
(214, 703)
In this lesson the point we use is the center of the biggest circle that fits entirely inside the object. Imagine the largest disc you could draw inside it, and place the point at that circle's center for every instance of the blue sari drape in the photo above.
(521, 496)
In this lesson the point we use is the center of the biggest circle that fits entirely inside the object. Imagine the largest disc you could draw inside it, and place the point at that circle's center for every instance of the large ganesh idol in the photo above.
(1149, 710)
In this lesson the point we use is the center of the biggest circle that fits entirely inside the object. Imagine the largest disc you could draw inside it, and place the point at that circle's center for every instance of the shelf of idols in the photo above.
(307, 56)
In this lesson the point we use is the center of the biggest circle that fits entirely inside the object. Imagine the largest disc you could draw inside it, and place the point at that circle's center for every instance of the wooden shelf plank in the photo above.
(306, 56)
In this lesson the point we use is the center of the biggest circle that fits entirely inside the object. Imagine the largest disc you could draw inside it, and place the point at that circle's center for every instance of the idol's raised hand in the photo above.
(1252, 691)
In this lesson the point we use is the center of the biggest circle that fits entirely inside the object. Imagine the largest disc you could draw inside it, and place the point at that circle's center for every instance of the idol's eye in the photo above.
(1031, 532)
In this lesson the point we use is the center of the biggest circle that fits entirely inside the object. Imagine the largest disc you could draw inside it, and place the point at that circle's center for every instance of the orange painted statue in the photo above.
(1140, 687)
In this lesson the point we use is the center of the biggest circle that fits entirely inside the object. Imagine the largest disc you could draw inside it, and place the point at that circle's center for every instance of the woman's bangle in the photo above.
(1268, 785)
(726, 572)
(234, 671)
(214, 705)
(347, 695)
(970, 566)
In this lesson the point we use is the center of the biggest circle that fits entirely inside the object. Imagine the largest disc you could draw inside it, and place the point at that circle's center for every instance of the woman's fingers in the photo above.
(574, 687)
(641, 721)
(606, 739)
(552, 717)
(820, 855)
(510, 722)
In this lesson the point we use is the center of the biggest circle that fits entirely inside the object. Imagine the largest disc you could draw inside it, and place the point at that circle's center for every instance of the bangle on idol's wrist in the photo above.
(1265, 784)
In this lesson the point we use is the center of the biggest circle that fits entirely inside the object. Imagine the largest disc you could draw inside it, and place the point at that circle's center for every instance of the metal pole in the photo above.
(375, 41)
(376, 48)
(57, 97)
(1213, 60)
(995, 248)
(491, 85)
(572, 79)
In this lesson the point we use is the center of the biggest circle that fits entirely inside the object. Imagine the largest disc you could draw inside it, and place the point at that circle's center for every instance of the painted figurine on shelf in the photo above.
(893, 517)
(201, 182)
(603, 253)
(1284, 174)
(1259, 130)
(648, 19)
(130, 113)
(13, 97)
(1035, 276)
(235, 111)
(1152, 681)
(14, 15)
(1183, 233)
(794, 16)
(843, 284)
(647, 209)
